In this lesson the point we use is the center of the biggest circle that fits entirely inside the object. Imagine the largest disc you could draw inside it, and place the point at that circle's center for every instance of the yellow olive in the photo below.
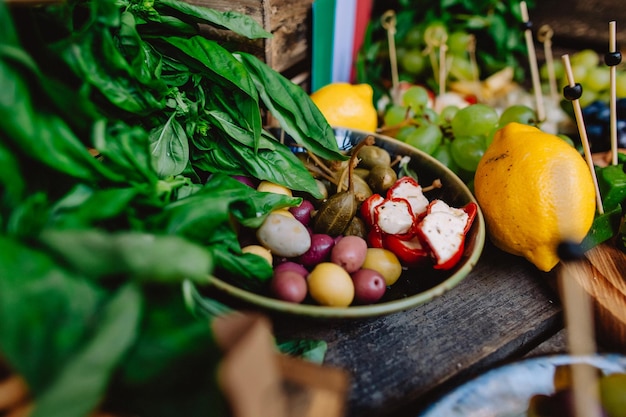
(385, 262)
(330, 285)
(270, 187)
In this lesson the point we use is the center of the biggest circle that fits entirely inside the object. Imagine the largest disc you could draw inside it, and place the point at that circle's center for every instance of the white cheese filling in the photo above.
(413, 195)
(444, 228)
(394, 217)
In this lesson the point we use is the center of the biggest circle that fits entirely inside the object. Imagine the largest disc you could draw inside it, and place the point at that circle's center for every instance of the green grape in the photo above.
(579, 73)
(443, 155)
(405, 132)
(458, 42)
(559, 71)
(429, 116)
(435, 33)
(490, 136)
(588, 97)
(426, 138)
(461, 69)
(598, 79)
(467, 151)
(620, 83)
(566, 139)
(518, 113)
(587, 58)
(415, 97)
(413, 62)
(447, 113)
(414, 37)
(394, 115)
(475, 119)
(613, 394)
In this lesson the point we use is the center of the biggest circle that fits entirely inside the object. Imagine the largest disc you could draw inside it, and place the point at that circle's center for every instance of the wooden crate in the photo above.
(288, 21)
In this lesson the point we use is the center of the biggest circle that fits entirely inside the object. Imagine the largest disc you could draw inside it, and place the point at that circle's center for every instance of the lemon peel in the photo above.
(535, 191)
(347, 105)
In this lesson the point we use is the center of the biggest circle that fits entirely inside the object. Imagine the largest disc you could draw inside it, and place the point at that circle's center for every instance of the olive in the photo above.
(330, 285)
(381, 178)
(289, 286)
(362, 189)
(349, 253)
(372, 155)
(361, 172)
(369, 286)
(356, 227)
(385, 262)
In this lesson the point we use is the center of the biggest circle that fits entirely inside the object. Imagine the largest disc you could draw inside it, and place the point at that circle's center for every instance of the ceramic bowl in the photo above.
(415, 286)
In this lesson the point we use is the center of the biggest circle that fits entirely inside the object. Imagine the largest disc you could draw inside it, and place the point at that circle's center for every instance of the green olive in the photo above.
(373, 155)
(362, 189)
(356, 228)
(361, 172)
(381, 178)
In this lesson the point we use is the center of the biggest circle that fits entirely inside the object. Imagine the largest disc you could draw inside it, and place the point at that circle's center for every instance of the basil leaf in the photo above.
(84, 207)
(169, 148)
(237, 22)
(293, 108)
(87, 374)
(35, 132)
(278, 165)
(311, 350)
(140, 256)
(57, 308)
(246, 270)
(171, 369)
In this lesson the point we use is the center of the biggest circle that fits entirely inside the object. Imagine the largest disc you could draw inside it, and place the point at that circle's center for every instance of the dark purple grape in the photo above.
(596, 110)
(620, 105)
(621, 133)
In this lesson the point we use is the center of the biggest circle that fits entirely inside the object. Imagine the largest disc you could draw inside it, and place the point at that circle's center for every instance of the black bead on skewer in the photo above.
(528, 25)
(570, 251)
(613, 58)
(573, 92)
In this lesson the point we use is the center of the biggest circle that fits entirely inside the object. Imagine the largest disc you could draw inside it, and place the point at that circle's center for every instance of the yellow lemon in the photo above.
(347, 105)
(535, 191)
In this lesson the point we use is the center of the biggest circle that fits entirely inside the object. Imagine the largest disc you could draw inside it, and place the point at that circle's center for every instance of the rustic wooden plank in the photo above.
(288, 22)
(581, 23)
(401, 361)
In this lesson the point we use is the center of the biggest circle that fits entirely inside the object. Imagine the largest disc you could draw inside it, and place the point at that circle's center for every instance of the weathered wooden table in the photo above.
(399, 363)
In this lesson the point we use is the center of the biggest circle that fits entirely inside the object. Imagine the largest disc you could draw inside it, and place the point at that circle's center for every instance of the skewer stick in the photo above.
(388, 20)
(544, 35)
(572, 92)
(578, 318)
(612, 59)
(443, 68)
(532, 61)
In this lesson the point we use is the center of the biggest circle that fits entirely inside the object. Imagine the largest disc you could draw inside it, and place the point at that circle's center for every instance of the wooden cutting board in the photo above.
(604, 279)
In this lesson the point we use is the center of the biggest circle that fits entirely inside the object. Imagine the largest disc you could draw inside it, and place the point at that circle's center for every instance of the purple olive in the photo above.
(349, 252)
(369, 286)
(303, 212)
(321, 246)
(291, 266)
(245, 180)
(289, 286)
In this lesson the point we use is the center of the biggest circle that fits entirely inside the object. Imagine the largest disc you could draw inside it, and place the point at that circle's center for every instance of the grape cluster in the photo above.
(590, 71)
(597, 117)
(420, 42)
(457, 136)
